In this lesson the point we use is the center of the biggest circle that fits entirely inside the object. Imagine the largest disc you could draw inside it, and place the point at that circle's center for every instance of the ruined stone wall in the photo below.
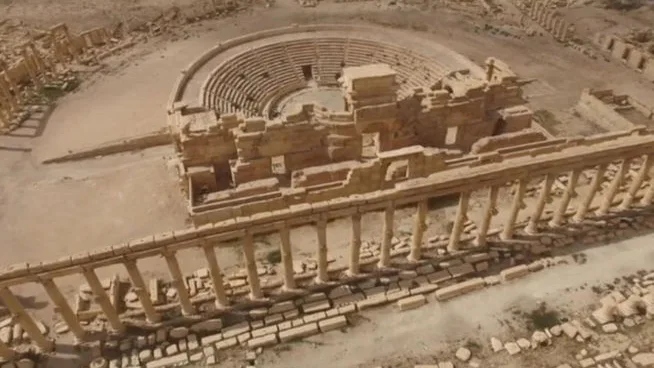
(625, 195)
(44, 61)
(628, 54)
(600, 107)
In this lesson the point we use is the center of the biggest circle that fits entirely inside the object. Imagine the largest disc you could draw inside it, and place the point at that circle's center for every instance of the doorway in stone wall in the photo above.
(307, 71)
(223, 175)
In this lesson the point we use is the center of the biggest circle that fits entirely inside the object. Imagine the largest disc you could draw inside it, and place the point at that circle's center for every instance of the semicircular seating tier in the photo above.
(252, 81)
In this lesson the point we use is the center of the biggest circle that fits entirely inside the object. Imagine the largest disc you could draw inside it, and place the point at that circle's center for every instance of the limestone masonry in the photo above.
(306, 125)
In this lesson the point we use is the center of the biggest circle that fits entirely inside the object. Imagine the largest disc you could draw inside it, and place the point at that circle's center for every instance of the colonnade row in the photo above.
(31, 63)
(549, 19)
(37, 67)
(609, 197)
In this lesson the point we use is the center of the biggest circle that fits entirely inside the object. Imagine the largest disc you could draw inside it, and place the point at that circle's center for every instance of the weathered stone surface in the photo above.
(263, 341)
(523, 343)
(316, 306)
(236, 329)
(463, 354)
(208, 340)
(514, 272)
(209, 325)
(333, 323)
(411, 302)
(512, 348)
(570, 330)
(460, 289)
(178, 333)
(644, 359)
(169, 361)
(496, 344)
(171, 350)
(299, 332)
(264, 331)
(226, 344)
(610, 328)
(588, 362)
(145, 356)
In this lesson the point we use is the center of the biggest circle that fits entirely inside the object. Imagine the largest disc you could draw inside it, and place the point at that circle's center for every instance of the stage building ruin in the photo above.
(237, 163)
(409, 129)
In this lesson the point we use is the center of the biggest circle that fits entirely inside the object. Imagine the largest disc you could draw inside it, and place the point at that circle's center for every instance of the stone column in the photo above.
(385, 256)
(103, 300)
(643, 174)
(563, 31)
(355, 245)
(141, 290)
(178, 283)
(251, 267)
(216, 276)
(6, 352)
(543, 199)
(24, 319)
(595, 184)
(489, 211)
(459, 220)
(32, 73)
(321, 232)
(287, 257)
(63, 308)
(568, 194)
(40, 64)
(11, 100)
(4, 120)
(518, 204)
(614, 188)
(648, 197)
(418, 231)
(11, 83)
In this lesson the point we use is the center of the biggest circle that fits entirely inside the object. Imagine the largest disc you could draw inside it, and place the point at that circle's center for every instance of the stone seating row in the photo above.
(248, 81)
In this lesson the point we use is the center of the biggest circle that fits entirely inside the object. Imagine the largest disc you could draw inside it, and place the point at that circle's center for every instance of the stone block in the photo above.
(372, 302)
(281, 307)
(211, 339)
(264, 331)
(299, 332)
(226, 344)
(347, 309)
(426, 269)
(397, 295)
(209, 325)
(461, 288)
(316, 306)
(424, 289)
(262, 341)
(411, 302)
(273, 319)
(439, 276)
(514, 272)
(236, 329)
(169, 361)
(178, 333)
(461, 270)
(314, 317)
(348, 299)
(332, 323)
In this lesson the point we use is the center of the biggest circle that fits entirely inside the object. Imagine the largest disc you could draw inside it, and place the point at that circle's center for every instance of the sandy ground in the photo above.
(50, 211)
(433, 332)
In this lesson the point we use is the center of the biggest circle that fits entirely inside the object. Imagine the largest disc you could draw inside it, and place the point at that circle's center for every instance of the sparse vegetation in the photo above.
(542, 317)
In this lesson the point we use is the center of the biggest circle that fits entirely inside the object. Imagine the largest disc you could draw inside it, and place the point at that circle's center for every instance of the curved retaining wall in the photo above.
(193, 67)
